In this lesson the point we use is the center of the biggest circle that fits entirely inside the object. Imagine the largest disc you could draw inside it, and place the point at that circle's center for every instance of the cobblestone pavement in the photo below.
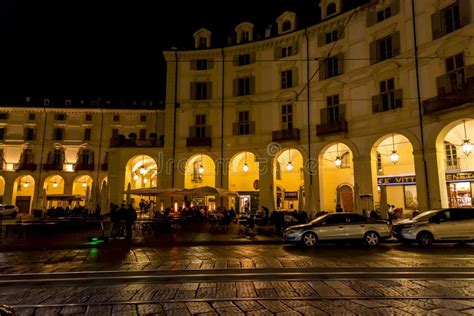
(118, 256)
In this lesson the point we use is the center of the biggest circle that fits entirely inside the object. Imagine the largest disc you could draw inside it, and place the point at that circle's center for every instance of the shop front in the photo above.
(460, 187)
(400, 191)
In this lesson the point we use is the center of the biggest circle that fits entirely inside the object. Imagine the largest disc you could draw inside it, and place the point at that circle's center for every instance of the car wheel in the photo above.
(14, 214)
(309, 239)
(424, 239)
(372, 239)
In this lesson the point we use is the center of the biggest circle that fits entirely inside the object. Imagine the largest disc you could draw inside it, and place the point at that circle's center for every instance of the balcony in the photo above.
(25, 167)
(286, 135)
(52, 167)
(451, 92)
(129, 142)
(199, 142)
(84, 167)
(332, 120)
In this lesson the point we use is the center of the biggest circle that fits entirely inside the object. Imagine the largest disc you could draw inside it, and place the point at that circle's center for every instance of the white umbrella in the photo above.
(206, 191)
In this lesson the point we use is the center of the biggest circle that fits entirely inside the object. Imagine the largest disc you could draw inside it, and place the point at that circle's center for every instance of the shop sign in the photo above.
(459, 176)
(291, 195)
(397, 180)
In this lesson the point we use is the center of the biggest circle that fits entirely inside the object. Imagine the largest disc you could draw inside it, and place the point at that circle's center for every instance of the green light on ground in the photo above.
(94, 243)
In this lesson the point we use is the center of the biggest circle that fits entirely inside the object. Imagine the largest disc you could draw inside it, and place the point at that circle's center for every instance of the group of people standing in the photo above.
(122, 219)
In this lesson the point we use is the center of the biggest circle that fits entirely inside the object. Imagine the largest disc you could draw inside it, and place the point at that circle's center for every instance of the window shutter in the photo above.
(91, 158)
(395, 7)
(373, 53)
(208, 131)
(235, 128)
(371, 18)
(209, 90)
(210, 64)
(192, 94)
(252, 127)
(252, 84)
(322, 39)
(193, 64)
(398, 98)
(376, 101)
(465, 11)
(252, 58)
(49, 158)
(295, 77)
(277, 52)
(436, 26)
(340, 64)
(396, 44)
(236, 60)
(441, 85)
(236, 87)
(324, 115)
(192, 131)
(294, 49)
(342, 112)
(340, 33)
(322, 69)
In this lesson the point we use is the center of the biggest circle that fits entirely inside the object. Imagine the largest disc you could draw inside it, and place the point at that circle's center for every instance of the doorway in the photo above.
(346, 198)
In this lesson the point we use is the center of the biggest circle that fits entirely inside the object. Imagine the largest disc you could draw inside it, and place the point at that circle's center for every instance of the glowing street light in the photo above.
(466, 145)
(201, 169)
(55, 184)
(338, 162)
(84, 184)
(394, 156)
(245, 168)
(289, 166)
(135, 177)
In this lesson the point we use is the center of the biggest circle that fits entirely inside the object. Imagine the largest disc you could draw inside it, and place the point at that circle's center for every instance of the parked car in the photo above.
(339, 227)
(455, 224)
(8, 210)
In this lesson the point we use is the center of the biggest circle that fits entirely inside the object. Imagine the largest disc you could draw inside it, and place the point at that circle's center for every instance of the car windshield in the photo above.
(425, 216)
(319, 219)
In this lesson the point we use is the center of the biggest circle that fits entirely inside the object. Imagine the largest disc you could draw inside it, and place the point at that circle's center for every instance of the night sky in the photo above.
(112, 48)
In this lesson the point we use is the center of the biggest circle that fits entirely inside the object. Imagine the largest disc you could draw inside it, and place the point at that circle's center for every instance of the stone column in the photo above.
(365, 182)
(421, 188)
(8, 191)
(437, 190)
(116, 177)
(312, 203)
(266, 187)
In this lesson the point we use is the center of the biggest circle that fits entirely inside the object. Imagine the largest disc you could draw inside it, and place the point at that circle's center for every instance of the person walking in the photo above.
(131, 217)
(339, 208)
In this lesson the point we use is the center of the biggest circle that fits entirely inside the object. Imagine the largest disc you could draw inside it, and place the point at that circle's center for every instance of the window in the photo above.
(85, 156)
(115, 133)
(202, 42)
(379, 164)
(142, 118)
(200, 125)
(331, 67)
(201, 64)
(60, 117)
(331, 9)
(452, 160)
(68, 102)
(331, 36)
(287, 51)
(345, 160)
(31, 116)
(116, 118)
(287, 116)
(286, 26)
(46, 102)
(387, 91)
(244, 123)
(201, 91)
(87, 134)
(57, 157)
(333, 108)
(30, 133)
(3, 116)
(335, 219)
(58, 134)
(27, 157)
(197, 176)
(2, 133)
(245, 36)
(384, 14)
(88, 117)
(385, 48)
(244, 59)
(142, 134)
(355, 218)
(455, 75)
(244, 86)
(286, 79)
(451, 18)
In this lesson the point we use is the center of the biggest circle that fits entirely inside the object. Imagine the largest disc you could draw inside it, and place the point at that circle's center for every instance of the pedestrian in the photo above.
(131, 217)
(339, 208)
(115, 221)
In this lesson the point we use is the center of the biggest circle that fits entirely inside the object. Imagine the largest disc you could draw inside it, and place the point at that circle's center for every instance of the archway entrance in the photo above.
(23, 193)
(244, 178)
(200, 171)
(140, 172)
(396, 181)
(336, 178)
(457, 163)
(82, 186)
(54, 185)
(289, 177)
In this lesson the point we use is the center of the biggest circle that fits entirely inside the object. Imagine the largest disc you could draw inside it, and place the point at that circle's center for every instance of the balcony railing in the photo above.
(332, 120)
(450, 94)
(84, 167)
(52, 167)
(25, 167)
(124, 142)
(286, 135)
(199, 142)
(331, 128)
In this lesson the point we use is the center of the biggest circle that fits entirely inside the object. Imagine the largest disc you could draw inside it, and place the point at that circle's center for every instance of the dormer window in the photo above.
(286, 26)
(245, 36)
(331, 9)
(68, 102)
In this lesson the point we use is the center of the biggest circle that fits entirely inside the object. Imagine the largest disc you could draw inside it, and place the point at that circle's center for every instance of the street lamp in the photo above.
(338, 161)
(84, 184)
(245, 168)
(466, 145)
(135, 177)
(26, 184)
(289, 165)
(55, 184)
(394, 156)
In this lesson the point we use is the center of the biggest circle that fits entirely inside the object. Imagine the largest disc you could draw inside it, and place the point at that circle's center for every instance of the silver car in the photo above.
(339, 227)
(8, 210)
